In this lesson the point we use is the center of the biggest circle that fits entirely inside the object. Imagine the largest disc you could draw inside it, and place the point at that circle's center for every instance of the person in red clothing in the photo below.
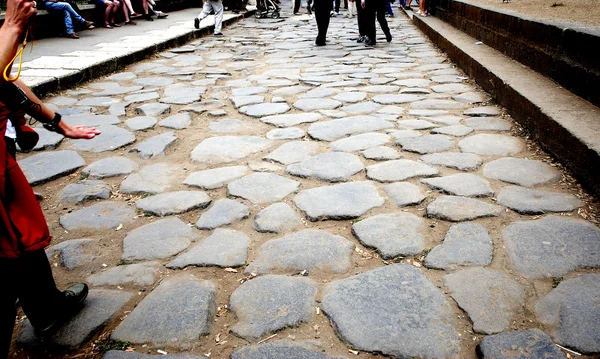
(25, 272)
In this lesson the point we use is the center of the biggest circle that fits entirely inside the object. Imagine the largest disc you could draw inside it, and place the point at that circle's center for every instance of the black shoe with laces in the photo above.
(388, 37)
(370, 42)
(197, 23)
(73, 300)
(361, 39)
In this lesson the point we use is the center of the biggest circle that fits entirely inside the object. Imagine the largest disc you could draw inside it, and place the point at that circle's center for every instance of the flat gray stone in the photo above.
(416, 124)
(111, 138)
(161, 239)
(98, 101)
(457, 209)
(262, 187)
(319, 93)
(340, 201)
(392, 234)
(381, 89)
(451, 88)
(476, 290)
(247, 91)
(470, 97)
(524, 172)
(465, 244)
(290, 133)
(141, 123)
(491, 145)
(71, 253)
(168, 203)
(223, 248)
(142, 97)
(216, 177)
(483, 111)
(222, 212)
(552, 246)
(461, 184)
(119, 354)
(380, 153)
(46, 166)
(427, 143)
(153, 81)
(351, 97)
(269, 303)
(437, 105)
(331, 167)
(414, 82)
(264, 109)
(103, 215)
(447, 78)
(291, 119)
(151, 179)
(335, 129)
(519, 344)
(228, 125)
(531, 201)
(178, 121)
(404, 193)
(278, 350)
(139, 274)
(399, 170)
(176, 313)
(372, 311)
(240, 101)
(393, 99)
(293, 151)
(277, 218)
(362, 107)
(48, 140)
(179, 94)
(291, 90)
(99, 308)
(360, 142)
(488, 124)
(449, 120)
(309, 249)
(316, 104)
(110, 167)
(153, 109)
(571, 311)
(85, 190)
(155, 146)
(454, 130)
(400, 134)
(458, 160)
(225, 149)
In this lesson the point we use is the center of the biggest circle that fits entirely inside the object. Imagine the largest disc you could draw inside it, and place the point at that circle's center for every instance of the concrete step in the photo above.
(564, 124)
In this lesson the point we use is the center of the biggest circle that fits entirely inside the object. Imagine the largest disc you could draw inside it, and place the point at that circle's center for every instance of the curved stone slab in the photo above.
(399, 170)
(331, 167)
(165, 204)
(222, 212)
(119, 354)
(461, 184)
(290, 133)
(532, 201)
(457, 209)
(390, 99)
(278, 350)
(491, 145)
(380, 153)
(160, 239)
(404, 193)
(265, 109)
(103, 215)
(110, 167)
(151, 179)
(225, 149)
(155, 146)
(519, 344)
(71, 253)
(140, 274)
(277, 218)
(335, 129)
(216, 177)
(85, 190)
(465, 244)
(316, 104)
(141, 123)
(360, 142)
(46, 166)
(520, 171)
(262, 187)
(291, 119)
(293, 151)
(111, 138)
(427, 144)
(458, 160)
(223, 248)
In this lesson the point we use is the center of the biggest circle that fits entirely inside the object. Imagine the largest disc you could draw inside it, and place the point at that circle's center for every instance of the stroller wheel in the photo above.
(275, 15)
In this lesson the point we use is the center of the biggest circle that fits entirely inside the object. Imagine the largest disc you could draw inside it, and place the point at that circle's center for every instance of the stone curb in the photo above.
(103, 68)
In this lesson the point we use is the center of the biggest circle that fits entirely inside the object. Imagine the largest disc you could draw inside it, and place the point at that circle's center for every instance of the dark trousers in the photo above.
(361, 16)
(297, 4)
(375, 8)
(322, 15)
(28, 278)
(337, 5)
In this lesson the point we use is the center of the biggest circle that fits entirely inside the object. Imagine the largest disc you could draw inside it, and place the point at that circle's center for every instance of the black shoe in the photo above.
(235, 11)
(148, 17)
(370, 42)
(320, 43)
(361, 39)
(388, 37)
(74, 297)
(218, 34)
(197, 23)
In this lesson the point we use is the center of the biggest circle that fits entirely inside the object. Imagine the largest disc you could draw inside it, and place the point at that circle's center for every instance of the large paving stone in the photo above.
(427, 143)
(222, 212)
(277, 218)
(308, 105)
(331, 167)
(360, 142)
(99, 308)
(380, 153)
(465, 244)
(483, 111)
(85, 190)
(71, 253)
(392, 234)
(571, 311)
(262, 187)
(457, 209)
(454, 130)
(404, 193)
(223, 248)
(216, 177)
(291, 119)
(168, 203)
(176, 313)
(461, 184)
(160, 239)
(265, 109)
(311, 250)
(458, 160)
(488, 124)
(247, 91)
(103, 215)
(228, 125)
(155, 146)
(119, 354)
(139, 274)
(335, 129)
(477, 290)
(552, 246)
(521, 171)
(270, 303)
(290, 133)
(141, 123)
(532, 201)
(416, 124)
(293, 151)
(110, 167)
(389, 99)
(240, 101)
(341, 201)
(151, 179)
(394, 310)
(225, 149)
(437, 105)
(48, 140)
(153, 109)
(280, 349)
(46, 166)
(350, 97)
(362, 107)
(399, 170)
(491, 145)
(178, 121)
(111, 138)
(519, 344)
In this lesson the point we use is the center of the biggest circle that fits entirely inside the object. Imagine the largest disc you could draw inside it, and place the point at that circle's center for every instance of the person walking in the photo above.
(375, 9)
(298, 4)
(217, 7)
(323, 10)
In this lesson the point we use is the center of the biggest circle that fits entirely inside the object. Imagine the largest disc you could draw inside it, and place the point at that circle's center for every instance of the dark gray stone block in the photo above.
(160, 239)
(223, 248)
(103, 215)
(46, 166)
(456, 209)
(139, 274)
(465, 244)
(222, 212)
(532, 201)
(85, 190)
(168, 203)
(110, 167)
(519, 344)
(281, 349)
(261, 188)
(71, 253)
(520, 171)
(277, 218)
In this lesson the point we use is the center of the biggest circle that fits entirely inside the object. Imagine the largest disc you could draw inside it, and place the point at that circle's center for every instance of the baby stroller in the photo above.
(267, 8)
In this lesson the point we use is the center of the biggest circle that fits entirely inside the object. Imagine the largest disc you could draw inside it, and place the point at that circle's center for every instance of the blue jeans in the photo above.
(68, 12)
(389, 8)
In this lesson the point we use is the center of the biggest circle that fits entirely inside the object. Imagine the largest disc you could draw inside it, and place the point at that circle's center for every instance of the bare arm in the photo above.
(18, 15)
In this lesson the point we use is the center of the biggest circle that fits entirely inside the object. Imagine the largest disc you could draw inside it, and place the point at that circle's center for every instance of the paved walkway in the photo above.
(254, 196)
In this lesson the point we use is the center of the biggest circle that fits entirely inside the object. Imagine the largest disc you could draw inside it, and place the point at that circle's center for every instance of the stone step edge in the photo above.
(103, 68)
(565, 125)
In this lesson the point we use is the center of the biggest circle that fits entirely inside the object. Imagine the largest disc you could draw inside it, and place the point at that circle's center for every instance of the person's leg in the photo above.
(218, 8)
(309, 7)
(129, 7)
(381, 8)
(8, 298)
(296, 6)
(369, 15)
(346, 4)
(62, 7)
(360, 18)
(322, 16)
(116, 7)
(107, 12)
(337, 6)
(389, 10)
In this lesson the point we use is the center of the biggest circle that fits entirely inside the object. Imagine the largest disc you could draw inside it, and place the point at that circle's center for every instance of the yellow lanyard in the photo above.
(20, 55)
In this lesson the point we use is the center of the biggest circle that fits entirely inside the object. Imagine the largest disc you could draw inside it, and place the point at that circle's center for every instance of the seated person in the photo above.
(112, 6)
(149, 7)
(69, 16)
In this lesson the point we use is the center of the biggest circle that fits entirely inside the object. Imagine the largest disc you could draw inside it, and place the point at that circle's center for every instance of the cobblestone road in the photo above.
(318, 202)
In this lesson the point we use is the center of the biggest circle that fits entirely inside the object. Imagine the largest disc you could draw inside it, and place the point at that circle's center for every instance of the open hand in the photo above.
(19, 13)
(79, 132)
